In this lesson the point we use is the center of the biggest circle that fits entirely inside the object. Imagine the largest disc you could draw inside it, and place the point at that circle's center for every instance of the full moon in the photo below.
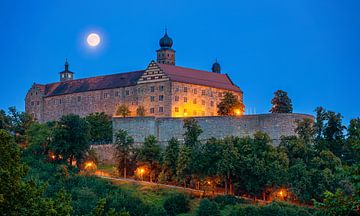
(93, 39)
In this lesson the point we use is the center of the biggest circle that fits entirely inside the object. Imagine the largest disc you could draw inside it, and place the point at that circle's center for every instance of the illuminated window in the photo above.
(220, 95)
(194, 101)
(161, 88)
(152, 110)
(203, 113)
(195, 91)
(161, 109)
(161, 97)
(185, 111)
(152, 98)
(185, 99)
(202, 102)
(203, 92)
(176, 98)
(152, 89)
(176, 109)
(185, 89)
(194, 112)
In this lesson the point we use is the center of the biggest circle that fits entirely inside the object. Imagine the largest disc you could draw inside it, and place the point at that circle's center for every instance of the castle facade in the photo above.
(162, 89)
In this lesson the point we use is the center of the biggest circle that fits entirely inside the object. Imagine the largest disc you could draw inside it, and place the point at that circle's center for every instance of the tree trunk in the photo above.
(226, 186)
(125, 167)
(231, 186)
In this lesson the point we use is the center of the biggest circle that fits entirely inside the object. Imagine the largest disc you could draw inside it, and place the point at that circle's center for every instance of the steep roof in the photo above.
(198, 77)
(93, 83)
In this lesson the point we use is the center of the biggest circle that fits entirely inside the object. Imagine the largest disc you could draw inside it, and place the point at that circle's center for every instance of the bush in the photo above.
(227, 200)
(248, 210)
(208, 208)
(176, 204)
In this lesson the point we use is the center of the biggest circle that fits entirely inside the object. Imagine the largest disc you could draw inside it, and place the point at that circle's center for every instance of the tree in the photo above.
(281, 103)
(319, 122)
(22, 197)
(208, 208)
(5, 121)
(71, 138)
(20, 122)
(140, 111)
(123, 110)
(39, 137)
(124, 147)
(171, 155)
(230, 105)
(305, 130)
(192, 132)
(150, 155)
(100, 127)
(176, 203)
(183, 164)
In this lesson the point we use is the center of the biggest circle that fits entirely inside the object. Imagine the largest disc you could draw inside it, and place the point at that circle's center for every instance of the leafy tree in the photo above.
(124, 148)
(171, 155)
(192, 132)
(305, 130)
(230, 105)
(39, 137)
(140, 111)
(319, 122)
(71, 138)
(150, 155)
(100, 127)
(208, 208)
(176, 203)
(20, 122)
(5, 121)
(21, 197)
(123, 110)
(183, 164)
(281, 103)
(227, 164)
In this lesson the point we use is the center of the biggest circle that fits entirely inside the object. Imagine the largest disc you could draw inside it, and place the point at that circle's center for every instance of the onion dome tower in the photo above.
(166, 55)
(66, 74)
(216, 67)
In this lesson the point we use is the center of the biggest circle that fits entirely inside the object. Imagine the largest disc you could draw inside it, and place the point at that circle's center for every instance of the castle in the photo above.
(162, 89)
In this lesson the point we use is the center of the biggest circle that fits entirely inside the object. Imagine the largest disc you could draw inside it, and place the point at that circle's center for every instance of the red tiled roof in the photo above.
(198, 77)
(93, 83)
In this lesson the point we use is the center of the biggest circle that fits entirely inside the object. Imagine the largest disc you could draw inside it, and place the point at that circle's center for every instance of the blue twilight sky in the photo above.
(309, 48)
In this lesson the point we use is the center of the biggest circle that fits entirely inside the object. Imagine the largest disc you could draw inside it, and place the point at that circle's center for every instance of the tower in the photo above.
(216, 67)
(166, 55)
(66, 74)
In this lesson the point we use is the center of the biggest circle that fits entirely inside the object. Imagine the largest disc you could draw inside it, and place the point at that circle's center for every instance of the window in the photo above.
(211, 103)
(185, 89)
(194, 112)
(161, 88)
(127, 92)
(195, 91)
(176, 98)
(106, 95)
(194, 101)
(185, 111)
(152, 110)
(185, 99)
(79, 98)
(203, 92)
(220, 95)
(38, 103)
(161, 97)
(116, 94)
(176, 109)
(161, 109)
(203, 113)
(32, 103)
(152, 98)
(152, 89)
(202, 102)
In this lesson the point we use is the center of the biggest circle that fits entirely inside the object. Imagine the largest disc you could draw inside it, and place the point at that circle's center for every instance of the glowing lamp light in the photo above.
(237, 112)
(90, 165)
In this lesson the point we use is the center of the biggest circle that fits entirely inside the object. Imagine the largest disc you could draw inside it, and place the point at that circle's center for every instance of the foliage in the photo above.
(176, 204)
(123, 110)
(100, 128)
(208, 208)
(150, 155)
(230, 105)
(39, 137)
(171, 155)
(281, 103)
(183, 164)
(140, 111)
(192, 132)
(71, 138)
(124, 148)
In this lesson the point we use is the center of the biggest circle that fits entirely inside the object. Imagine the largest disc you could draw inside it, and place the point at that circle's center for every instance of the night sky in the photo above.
(309, 48)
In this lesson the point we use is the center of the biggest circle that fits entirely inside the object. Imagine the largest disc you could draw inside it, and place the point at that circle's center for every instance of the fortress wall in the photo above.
(275, 125)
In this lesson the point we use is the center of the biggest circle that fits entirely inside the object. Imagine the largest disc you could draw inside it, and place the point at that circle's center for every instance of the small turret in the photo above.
(216, 67)
(66, 74)
(166, 55)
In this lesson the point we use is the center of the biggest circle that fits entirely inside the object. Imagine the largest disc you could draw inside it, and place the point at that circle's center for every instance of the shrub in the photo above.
(176, 204)
(208, 208)
(227, 200)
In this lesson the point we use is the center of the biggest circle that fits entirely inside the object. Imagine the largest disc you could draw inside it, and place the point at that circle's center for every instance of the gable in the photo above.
(153, 73)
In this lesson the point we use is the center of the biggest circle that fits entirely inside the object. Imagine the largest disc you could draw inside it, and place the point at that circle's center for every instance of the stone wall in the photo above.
(105, 153)
(275, 125)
